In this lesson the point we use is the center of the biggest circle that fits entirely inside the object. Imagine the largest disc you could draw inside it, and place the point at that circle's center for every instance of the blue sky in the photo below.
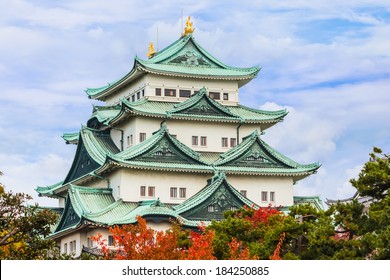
(327, 62)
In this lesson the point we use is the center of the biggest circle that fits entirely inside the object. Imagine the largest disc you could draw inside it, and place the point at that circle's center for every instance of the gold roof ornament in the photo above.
(151, 52)
(188, 29)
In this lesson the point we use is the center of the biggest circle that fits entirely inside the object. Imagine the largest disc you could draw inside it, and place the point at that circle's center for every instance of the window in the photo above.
(224, 142)
(233, 142)
(151, 191)
(131, 139)
(173, 192)
(66, 248)
(195, 140)
(119, 191)
(184, 93)
(203, 141)
(214, 95)
(138, 95)
(133, 98)
(210, 208)
(243, 192)
(225, 96)
(72, 246)
(170, 92)
(142, 191)
(143, 93)
(158, 91)
(110, 240)
(142, 137)
(182, 192)
(272, 196)
(264, 196)
(89, 242)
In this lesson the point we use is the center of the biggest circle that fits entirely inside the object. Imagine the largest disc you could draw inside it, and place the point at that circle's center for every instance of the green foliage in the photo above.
(374, 179)
(23, 228)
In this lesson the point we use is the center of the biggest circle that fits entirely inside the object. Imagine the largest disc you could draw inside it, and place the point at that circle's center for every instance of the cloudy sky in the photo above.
(327, 62)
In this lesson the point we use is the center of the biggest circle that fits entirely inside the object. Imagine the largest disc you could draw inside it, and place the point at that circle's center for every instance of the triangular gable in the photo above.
(213, 200)
(92, 149)
(201, 104)
(69, 217)
(190, 55)
(161, 147)
(82, 164)
(252, 152)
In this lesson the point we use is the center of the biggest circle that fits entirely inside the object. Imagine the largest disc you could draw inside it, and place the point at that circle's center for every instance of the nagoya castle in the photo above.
(171, 142)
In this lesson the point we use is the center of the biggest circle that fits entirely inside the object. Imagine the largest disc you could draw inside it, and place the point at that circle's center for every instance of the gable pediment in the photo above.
(190, 56)
(201, 104)
(165, 151)
(82, 164)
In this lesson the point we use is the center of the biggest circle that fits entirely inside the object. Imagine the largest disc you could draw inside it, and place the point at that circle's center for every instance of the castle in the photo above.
(171, 142)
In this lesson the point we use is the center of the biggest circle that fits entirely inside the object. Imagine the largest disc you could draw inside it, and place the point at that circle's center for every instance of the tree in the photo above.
(140, 242)
(374, 178)
(247, 233)
(24, 228)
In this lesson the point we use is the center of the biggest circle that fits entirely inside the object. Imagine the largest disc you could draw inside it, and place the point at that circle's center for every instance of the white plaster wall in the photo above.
(72, 237)
(254, 185)
(127, 91)
(149, 82)
(132, 179)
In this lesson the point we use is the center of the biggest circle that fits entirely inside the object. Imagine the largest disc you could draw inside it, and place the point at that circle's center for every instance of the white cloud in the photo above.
(23, 175)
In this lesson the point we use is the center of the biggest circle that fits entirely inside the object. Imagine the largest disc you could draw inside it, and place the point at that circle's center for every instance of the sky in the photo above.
(326, 62)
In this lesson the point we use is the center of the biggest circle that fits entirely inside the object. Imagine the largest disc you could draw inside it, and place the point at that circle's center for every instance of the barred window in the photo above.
(184, 93)
(183, 193)
(173, 192)
(224, 142)
(264, 196)
(142, 191)
(151, 191)
(170, 92)
(203, 141)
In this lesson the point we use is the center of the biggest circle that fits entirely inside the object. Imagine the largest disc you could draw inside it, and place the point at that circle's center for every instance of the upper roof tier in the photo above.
(184, 58)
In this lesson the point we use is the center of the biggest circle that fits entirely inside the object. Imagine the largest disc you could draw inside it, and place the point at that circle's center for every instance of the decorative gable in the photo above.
(82, 164)
(213, 200)
(69, 217)
(256, 156)
(215, 205)
(201, 104)
(165, 151)
(190, 56)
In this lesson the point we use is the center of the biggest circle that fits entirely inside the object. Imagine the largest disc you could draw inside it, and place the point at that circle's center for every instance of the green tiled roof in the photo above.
(104, 114)
(311, 200)
(48, 190)
(98, 143)
(97, 206)
(71, 138)
(218, 180)
(253, 155)
(183, 58)
(198, 107)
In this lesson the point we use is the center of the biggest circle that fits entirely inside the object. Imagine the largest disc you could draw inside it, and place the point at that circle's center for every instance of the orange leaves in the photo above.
(276, 255)
(261, 215)
(201, 246)
(140, 242)
(237, 252)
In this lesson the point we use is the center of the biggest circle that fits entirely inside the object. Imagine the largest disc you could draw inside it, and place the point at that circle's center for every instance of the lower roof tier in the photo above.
(97, 155)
